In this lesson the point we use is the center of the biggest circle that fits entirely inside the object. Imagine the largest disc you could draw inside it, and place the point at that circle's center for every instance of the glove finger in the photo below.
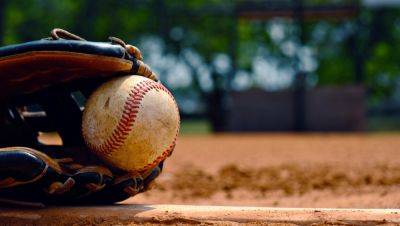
(24, 172)
(29, 175)
(122, 188)
(29, 67)
(20, 166)
(91, 179)
(126, 186)
(150, 178)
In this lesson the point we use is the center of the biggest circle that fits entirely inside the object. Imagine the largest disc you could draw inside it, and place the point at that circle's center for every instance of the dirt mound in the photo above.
(290, 179)
(285, 170)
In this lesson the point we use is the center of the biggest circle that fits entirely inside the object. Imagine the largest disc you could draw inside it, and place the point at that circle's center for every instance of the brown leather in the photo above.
(32, 71)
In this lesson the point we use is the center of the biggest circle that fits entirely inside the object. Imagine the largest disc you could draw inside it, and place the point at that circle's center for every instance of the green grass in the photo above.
(388, 123)
(198, 126)
(374, 124)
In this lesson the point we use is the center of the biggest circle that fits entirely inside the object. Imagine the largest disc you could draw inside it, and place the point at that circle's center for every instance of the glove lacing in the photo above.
(133, 52)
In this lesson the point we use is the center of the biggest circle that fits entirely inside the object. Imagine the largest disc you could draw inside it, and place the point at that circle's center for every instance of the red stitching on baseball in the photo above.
(125, 124)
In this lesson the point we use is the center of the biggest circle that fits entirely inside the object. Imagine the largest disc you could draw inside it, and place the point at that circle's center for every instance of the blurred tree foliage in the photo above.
(210, 31)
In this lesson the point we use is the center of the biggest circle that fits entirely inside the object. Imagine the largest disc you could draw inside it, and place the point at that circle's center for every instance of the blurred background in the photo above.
(284, 66)
(274, 65)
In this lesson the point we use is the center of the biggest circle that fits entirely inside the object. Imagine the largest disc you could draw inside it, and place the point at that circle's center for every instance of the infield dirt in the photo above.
(285, 170)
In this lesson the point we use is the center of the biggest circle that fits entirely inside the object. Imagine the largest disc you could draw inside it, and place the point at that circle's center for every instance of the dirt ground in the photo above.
(283, 170)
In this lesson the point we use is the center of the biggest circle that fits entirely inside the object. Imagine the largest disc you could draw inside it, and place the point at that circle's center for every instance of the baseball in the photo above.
(131, 123)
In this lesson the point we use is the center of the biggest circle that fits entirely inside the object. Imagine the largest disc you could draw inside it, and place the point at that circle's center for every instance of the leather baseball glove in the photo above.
(43, 86)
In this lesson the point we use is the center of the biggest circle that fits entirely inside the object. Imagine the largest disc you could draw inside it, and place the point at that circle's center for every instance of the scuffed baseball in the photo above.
(131, 123)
